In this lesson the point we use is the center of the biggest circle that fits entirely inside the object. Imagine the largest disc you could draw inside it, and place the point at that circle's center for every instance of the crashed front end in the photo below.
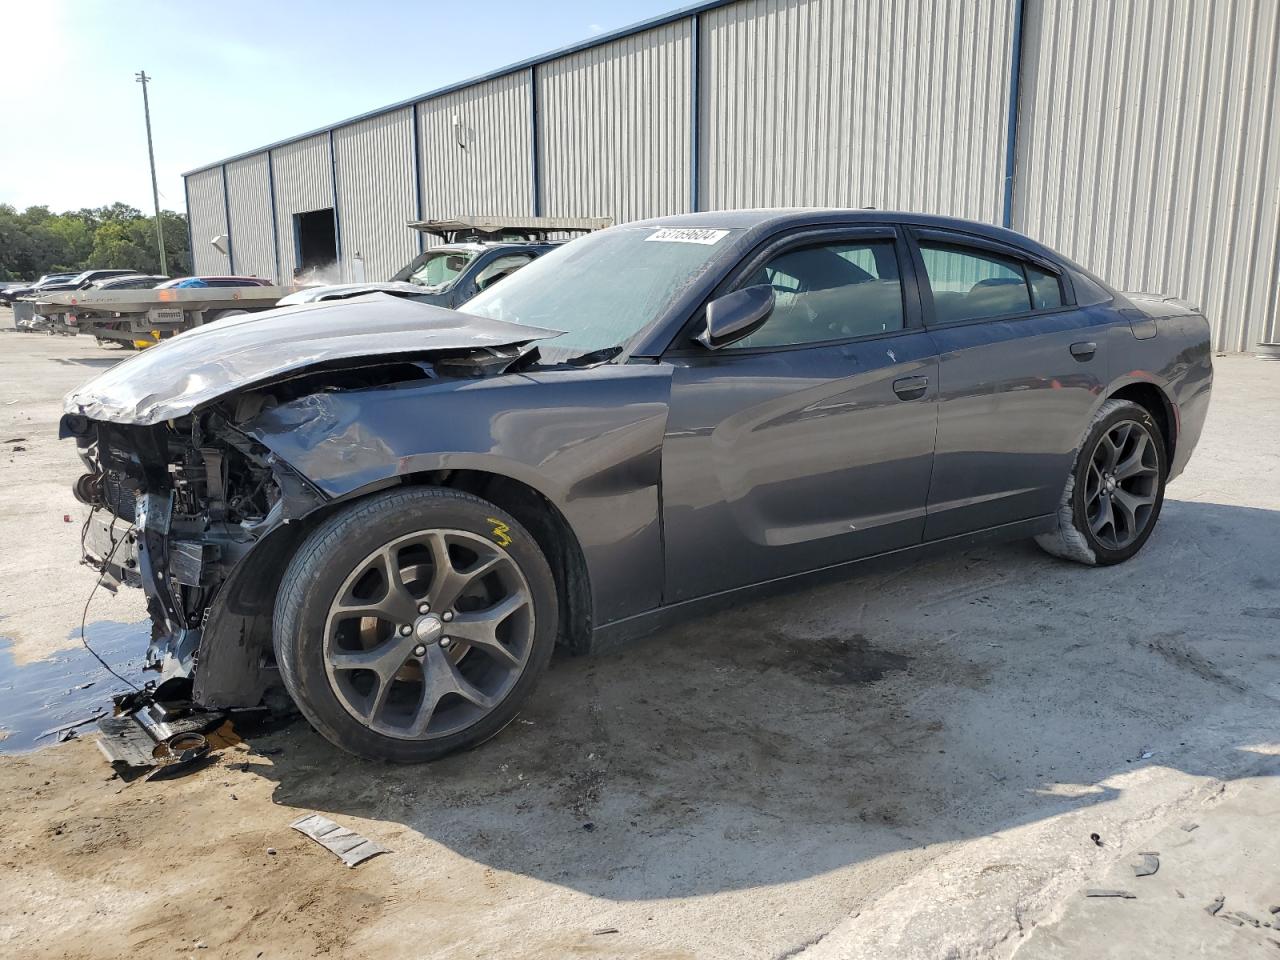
(176, 508)
(185, 503)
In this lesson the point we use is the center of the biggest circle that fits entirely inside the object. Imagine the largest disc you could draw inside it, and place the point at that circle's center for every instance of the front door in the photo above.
(810, 442)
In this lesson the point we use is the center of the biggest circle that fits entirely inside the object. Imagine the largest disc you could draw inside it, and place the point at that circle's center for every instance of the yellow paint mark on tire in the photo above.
(501, 532)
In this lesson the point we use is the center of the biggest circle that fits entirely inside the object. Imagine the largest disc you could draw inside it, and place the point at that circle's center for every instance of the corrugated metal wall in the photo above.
(207, 210)
(614, 124)
(249, 193)
(894, 104)
(376, 195)
(1148, 136)
(1149, 150)
(304, 181)
(478, 143)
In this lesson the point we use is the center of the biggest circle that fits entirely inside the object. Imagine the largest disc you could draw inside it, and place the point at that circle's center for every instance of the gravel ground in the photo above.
(907, 764)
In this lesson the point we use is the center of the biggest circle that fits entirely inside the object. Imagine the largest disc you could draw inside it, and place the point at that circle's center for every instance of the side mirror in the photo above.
(736, 315)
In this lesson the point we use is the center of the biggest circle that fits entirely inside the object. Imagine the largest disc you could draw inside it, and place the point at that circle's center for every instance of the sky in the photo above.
(232, 75)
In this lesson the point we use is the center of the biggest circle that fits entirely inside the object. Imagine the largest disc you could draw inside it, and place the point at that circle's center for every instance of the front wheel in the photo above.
(1116, 489)
(415, 623)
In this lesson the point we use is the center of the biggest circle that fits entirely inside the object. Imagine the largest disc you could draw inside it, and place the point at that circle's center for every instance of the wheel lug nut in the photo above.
(406, 630)
(424, 608)
(419, 651)
(445, 641)
(447, 617)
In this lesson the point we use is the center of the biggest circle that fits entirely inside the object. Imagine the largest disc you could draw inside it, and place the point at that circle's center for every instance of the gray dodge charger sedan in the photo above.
(397, 510)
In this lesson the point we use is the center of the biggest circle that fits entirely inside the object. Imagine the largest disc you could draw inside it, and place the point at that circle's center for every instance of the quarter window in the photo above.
(834, 291)
(1046, 290)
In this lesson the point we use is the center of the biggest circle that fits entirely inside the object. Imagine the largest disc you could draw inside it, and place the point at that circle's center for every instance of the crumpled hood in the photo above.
(339, 291)
(175, 377)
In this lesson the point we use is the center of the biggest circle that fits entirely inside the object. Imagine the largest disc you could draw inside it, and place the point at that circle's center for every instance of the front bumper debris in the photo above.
(146, 733)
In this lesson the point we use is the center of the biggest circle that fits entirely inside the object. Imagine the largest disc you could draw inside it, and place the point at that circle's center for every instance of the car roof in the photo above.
(769, 220)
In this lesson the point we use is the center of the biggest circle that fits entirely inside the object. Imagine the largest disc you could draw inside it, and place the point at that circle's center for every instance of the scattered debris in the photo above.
(1097, 840)
(603, 930)
(19, 449)
(1149, 865)
(271, 851)
(345, 844)
(1144, 753)
(1190, 826)
(1248, 918)
(14, 440)
(1231, 920)
(63, 728)
(1214, 907)
(1100, 892)
(1274, 909)
(588, 826)
(146, 733)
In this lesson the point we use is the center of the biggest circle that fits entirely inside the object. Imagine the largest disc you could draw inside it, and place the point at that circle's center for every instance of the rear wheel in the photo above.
(415, 623)
(1113, 497)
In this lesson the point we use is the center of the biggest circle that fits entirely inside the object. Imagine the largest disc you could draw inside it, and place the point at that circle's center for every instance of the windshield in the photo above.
(602, 289)
(440, 268)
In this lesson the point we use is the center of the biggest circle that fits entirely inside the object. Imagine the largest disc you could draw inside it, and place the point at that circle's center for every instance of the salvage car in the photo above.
(397, 510)
(131, 281)
(14, 292)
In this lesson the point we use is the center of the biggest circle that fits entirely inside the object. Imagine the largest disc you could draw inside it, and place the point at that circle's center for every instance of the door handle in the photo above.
(1084, 350)
(911, 388)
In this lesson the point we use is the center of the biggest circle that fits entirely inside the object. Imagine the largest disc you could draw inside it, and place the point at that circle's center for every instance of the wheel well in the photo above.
(549, 528)
(1152, 398)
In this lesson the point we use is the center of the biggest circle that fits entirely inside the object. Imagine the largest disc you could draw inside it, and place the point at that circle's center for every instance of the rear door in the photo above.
(808, 443)
(1020, 370)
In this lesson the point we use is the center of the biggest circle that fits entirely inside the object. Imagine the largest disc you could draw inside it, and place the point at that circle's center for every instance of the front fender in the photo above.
(590, 441)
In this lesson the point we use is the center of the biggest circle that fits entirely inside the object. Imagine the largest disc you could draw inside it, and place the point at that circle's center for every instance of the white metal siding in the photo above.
(614, 127)
(477, 150)
(252, 244)
(375, 193)
(1149, 150)
(895, 104)
(304, 181)
(208, 217)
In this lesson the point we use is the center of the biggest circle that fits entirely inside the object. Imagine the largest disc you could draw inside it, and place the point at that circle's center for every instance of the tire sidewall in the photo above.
(1130, 411)
(327, 558)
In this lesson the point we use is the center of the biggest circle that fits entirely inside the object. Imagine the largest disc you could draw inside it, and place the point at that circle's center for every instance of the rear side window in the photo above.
(834, 291)
(969, 284)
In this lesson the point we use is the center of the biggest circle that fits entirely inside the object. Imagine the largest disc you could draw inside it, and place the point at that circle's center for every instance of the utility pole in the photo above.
(142, 78)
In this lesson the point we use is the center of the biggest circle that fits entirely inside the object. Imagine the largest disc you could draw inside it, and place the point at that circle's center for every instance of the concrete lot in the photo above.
(908, 764)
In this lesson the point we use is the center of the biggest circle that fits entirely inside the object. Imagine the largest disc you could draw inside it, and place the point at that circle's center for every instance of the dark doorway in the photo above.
(316, 239)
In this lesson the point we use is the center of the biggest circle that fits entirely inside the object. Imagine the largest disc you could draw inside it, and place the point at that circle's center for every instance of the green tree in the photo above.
(37, 241)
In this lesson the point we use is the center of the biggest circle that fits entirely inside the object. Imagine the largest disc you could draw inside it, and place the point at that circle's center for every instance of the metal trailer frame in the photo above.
(130, 315)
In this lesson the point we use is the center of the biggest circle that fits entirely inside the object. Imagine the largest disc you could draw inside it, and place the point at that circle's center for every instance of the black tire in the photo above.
(1078, 535)
(320, 575)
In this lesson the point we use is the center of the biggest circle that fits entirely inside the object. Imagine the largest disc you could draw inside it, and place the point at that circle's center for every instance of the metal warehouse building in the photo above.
(1140, 137)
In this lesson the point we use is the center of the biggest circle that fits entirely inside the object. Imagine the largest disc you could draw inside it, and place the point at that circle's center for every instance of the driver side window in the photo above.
(830, 291)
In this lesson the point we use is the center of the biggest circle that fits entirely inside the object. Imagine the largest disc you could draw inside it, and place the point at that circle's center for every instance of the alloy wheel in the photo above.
(428, 634)
(1121, 484)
